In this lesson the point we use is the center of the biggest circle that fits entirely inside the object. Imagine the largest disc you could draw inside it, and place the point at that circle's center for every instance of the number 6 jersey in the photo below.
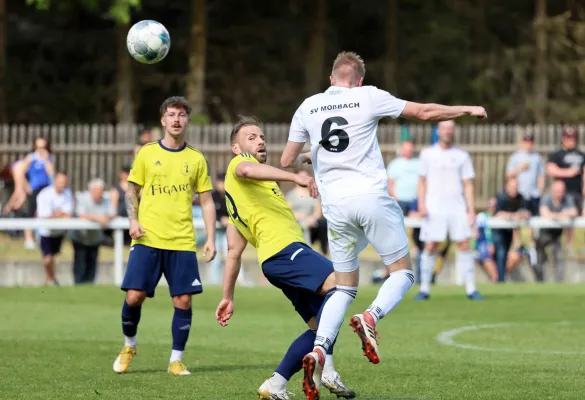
(259, 212)
(341, 124)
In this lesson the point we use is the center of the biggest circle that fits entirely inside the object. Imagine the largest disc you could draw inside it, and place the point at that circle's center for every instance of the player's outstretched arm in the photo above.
(264, 172)
(440, 112)
(208, 210)
(236, 245)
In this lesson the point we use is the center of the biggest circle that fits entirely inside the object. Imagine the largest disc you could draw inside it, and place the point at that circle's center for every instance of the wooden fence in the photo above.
(88, 151)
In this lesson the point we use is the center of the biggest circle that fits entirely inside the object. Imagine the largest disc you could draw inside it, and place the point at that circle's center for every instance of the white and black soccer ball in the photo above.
(148, 41)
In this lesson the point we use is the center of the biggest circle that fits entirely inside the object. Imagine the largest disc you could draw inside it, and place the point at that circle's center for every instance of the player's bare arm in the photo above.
(293, 156)
(439, 112)
(264, 172)
(208, 210)
(421, 194)
(236, 245)
(469, 194)
(136, 230)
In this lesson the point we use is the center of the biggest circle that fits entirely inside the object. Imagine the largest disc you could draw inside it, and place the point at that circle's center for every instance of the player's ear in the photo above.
(236, 148)
(361, 81)
(331, 81)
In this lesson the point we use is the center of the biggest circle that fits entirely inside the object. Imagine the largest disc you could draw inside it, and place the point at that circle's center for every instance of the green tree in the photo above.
(2, 60)
(197, 56)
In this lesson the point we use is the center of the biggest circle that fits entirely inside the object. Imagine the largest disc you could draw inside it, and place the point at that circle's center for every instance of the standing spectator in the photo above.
(118, 198)
(54, 201)
(403, 174)
(555, 206)
(144, 136)
(222, 218)
(527, 167)
(446, 201)
(567, 165)
(91, 206)
(510, 205)
(31, 175)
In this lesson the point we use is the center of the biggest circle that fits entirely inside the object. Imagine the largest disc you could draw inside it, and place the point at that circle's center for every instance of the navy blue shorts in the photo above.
(299, 271)
(482, 251)
(146, 265)
(51, 245)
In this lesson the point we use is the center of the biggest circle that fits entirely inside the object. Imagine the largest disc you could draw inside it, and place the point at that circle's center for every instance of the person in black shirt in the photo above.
(510, 205)
(567, 164)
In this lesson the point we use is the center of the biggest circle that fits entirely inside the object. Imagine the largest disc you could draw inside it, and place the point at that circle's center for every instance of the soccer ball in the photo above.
(148, 42)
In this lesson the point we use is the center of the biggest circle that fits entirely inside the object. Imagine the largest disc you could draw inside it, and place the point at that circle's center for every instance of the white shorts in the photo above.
(355, 221)
(435, 227)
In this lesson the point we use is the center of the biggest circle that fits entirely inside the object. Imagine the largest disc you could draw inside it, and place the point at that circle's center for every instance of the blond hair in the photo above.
(348, 66)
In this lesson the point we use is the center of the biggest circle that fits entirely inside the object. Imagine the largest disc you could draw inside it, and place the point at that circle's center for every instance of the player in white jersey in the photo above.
(446, 202)
(341, 124)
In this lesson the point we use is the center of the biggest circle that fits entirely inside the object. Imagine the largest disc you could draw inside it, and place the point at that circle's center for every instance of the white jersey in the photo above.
(349, 162)
(445, 170)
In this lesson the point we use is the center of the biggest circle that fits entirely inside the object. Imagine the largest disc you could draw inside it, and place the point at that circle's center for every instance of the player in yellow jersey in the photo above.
(260, 215)
(168, 172)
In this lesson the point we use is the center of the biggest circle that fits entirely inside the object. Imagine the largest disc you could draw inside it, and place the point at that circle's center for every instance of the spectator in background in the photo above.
(308, 214)
(118, 198)
(222, 218)
(54, 201)
(483, 241)
(555, 206)
(31, 175)
(510, 205)
(403, 174)
(567, 164)
(91, 206)
(144, 136)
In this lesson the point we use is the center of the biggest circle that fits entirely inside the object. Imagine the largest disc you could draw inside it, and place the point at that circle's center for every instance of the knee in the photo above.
(401, 264)
(463, 246)
(312, 323)
(182, 301)
(430, 247)
(329, 284)
(135, 297)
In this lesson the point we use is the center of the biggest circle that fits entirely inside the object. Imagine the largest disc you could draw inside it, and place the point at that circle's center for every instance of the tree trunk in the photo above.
(124, 80)
(198, 43)
(391, 52)
(3, 64)
(540, 71)
(316, 53)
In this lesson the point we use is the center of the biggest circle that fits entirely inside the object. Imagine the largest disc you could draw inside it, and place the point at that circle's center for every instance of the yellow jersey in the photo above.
(169, 179)
(259, 212)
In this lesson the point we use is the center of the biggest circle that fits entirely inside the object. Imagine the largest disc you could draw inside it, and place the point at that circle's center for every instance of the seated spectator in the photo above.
(54, 201)
(307, 211)
(555, 206)
(510, 205)
(403, 174)
(91, 206)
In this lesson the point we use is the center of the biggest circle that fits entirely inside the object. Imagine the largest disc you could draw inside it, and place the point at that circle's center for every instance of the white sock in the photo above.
(332, 315)
(427, 263)
(278, 381)
(328, 369)
(176, 355)
(391, 293)
(130, 341)
(466, 264)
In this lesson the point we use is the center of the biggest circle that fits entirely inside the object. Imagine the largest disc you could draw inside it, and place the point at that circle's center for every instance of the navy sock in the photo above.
(293, 359)
(130, 319)
(181, 328)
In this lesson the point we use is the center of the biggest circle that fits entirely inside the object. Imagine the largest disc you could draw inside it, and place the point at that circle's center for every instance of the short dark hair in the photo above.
(242, 122)
(125, 168)
(61, 172)
(175, 101)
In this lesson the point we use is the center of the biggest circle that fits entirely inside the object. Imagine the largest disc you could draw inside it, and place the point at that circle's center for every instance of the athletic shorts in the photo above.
(436, 227)
(299, 271)
(146, 265)
(482, 252)
(356, 221)
(51, 245)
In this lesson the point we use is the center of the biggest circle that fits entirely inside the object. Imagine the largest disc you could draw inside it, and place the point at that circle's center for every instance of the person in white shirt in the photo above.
(446, 202)
(54, 201)
(403, 176)
(341, 124)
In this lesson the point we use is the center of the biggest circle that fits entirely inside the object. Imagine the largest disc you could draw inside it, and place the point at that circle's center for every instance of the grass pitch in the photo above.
(523, 342)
